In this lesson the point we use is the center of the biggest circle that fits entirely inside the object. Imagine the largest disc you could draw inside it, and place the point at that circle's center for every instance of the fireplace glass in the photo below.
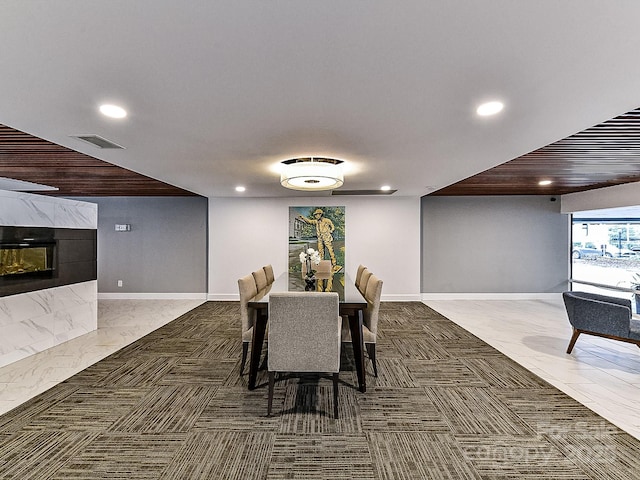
(21, 259)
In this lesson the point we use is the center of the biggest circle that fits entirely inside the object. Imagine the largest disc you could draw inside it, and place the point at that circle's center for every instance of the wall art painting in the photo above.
(317, 229)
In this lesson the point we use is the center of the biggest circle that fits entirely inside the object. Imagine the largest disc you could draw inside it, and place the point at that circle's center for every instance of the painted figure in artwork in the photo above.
(324, 230)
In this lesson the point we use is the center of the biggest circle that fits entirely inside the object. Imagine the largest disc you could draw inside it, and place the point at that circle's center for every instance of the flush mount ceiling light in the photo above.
(544, 183)
(312, 174)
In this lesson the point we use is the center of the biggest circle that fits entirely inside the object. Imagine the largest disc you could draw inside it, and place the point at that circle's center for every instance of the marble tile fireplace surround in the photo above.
(63, 305)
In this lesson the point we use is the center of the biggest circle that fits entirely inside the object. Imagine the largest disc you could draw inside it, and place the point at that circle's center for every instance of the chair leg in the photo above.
(335, 394)
(371, 350)
(265, 361)
(572, 342)
(271, 382)
(245, 350)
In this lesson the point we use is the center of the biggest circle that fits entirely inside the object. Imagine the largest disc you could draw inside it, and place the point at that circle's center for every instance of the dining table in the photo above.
(351, 305)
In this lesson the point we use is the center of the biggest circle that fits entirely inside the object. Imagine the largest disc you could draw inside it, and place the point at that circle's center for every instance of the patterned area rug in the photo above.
(445, 405)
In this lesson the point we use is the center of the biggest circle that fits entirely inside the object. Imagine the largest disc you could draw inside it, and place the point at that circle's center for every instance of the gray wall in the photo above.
(511, 244)
(165, 251)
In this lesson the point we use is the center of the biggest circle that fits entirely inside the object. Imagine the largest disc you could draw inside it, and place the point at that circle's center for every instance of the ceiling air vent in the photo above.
(97, 141)
(363, 192)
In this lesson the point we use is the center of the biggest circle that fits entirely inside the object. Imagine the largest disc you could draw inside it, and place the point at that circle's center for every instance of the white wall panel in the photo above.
(626, 195)
(382, 233)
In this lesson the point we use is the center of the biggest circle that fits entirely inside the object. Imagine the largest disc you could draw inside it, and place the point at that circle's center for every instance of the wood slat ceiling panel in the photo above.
(601, 156)
(32, 159)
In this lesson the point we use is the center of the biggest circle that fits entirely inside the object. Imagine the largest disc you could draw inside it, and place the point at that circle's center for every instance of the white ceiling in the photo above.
(220, 91)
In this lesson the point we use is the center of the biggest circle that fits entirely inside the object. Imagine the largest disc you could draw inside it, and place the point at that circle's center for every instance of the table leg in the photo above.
(259, 329)
(355, 325)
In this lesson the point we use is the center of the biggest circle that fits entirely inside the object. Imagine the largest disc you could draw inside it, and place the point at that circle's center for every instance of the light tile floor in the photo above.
(602, 374)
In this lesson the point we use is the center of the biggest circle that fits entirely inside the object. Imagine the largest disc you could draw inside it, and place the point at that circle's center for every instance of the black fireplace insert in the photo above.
(36, 258)
(27, 252)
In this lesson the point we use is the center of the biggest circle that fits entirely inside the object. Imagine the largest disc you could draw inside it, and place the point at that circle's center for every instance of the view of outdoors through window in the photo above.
(606, 251)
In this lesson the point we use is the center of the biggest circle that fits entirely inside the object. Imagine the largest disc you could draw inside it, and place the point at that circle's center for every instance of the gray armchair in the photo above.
(602, 316)
(304, 336)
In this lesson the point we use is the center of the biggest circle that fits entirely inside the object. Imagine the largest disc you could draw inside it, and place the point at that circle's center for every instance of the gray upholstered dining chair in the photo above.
(268, 271)
(248, 290)
(304, 336)
(359, 275)
(260, 277)
(372, 294)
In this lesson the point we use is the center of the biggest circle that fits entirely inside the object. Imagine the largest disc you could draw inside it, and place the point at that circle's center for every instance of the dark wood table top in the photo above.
(348, 294)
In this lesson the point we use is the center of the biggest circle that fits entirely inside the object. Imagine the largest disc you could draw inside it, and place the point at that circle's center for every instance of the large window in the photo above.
(605, 251)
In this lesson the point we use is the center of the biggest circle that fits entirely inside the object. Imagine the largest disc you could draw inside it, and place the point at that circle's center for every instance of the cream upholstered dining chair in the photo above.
(364, 279)
(268, 271)
(359, 275)
(248, 290)
(323, 267)
(372, 294)
(260, 277)
(304, 336)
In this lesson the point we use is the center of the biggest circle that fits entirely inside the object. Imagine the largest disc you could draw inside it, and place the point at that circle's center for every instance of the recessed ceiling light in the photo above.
(113, 111)
(544, 182)
(385, 188)
(240, 188)
(489, 108)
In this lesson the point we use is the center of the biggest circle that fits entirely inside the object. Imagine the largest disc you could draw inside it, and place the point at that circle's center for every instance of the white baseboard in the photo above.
(152, 296)
(401, 297)
(490, 296)
(223, 297)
